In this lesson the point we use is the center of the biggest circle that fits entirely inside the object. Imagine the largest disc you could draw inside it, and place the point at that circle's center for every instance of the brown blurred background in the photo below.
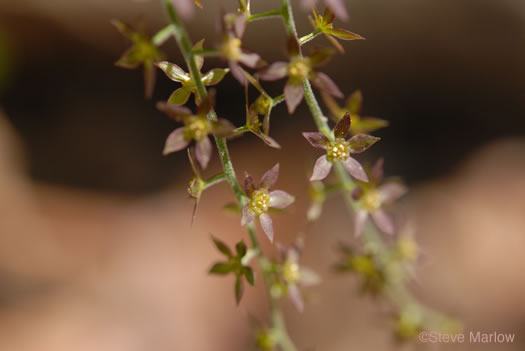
(96, 250)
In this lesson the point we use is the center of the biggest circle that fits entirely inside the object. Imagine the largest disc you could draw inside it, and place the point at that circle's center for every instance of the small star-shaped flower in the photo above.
(196, 127)
(324, 24)
(372, 196)
(261, 199)
(177, 74)
(298, 69)
(339, 150)
(337, 7)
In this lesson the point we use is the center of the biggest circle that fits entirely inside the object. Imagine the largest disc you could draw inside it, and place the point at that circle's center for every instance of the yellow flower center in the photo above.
(291, 272)
(196, 129)
(232, 49)
(260, 201)
(338, 150)
(299, 69)
(371, 200)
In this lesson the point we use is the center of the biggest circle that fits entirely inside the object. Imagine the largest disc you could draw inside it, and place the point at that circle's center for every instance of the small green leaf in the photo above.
(173, 71)
(354, 102)
(222, 247)
(248, 273)
(343, 34)
(241, 249)
(214, 76)
(221, 268)
(239, 290)
(180, 96)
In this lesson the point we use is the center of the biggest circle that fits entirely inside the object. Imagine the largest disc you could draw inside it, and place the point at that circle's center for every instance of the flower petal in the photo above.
(390, 192)
(293, 46)
(180, 96)
(130, 59)
(324, 83)
(376, 174)
(275, 71)
(236, 72)
(173, 72)
(295, 296)
(199, 59)
(321, 169)
(321, 56)
(355, 169)
(175, 141)
(203, 152)
(343, 34)
(280, 199)
(267, 139)
(343, 126)
(249, 184)
(239, 25)
(317, 139)
(383, 221)
(270, 177)
(361, 142)
(360, 221)
(309, 277)
(150, 76)
(250, 59)
(222, 128)
(338, 8)
(214, 76)
(314, 212)
(266, 224)
(248, 216)
(178, 113)
(354, 102)
(293, 94)
(184, 7)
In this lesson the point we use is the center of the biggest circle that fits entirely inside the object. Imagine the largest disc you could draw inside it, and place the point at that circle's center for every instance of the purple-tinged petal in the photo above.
(267, 140)
(236, 72)
(314, 212)
(270, 177)
(275, 71)
(309, 277)
(295, 296)
(280, 199)
(317, 139)
(222, 128)
(324, 83)
(383, 221)
(320, 56)
(248, 216)
(249, 184)
(321, 169)
(342, 127)
(184, 7)
(239, 25)
(175, 141)
(361, 142)
(355, 169)
(390, 192)
(203, 152)
(376, 174)
(267, 226)
(360, 221)
(293, 94)
(250, 59)
(178, 113)
(338, 8)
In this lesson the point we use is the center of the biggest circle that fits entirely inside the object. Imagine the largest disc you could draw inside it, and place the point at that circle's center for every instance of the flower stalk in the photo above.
(186, 48)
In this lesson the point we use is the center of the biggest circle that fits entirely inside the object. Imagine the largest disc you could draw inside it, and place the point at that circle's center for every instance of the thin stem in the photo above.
(306, 38)
(398, 293)
(185, 46)
(264, 15)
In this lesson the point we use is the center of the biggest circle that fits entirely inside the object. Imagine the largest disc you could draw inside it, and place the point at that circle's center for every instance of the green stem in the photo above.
(398, 292)
(305, 39)
(185, 46)
(263, 15)
(216, 179)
